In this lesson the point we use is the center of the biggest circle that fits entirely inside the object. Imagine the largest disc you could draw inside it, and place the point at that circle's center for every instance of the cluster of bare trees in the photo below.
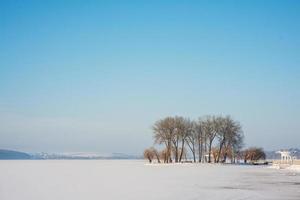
(253, 154)
(208, 139)
(152, 153)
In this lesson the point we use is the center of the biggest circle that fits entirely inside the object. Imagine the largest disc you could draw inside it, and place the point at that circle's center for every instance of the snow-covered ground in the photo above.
(295, 168)
(135, 180)
(291, 168)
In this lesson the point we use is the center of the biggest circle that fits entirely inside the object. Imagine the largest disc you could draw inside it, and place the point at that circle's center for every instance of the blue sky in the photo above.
(95, 75)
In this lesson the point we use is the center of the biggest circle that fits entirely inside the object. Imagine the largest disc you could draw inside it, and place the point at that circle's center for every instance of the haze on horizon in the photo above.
(94, 76)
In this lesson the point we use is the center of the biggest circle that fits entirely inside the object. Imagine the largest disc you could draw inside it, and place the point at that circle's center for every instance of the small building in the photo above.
(286, 157)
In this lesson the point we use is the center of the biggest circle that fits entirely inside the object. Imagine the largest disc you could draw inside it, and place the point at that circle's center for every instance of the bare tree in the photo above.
(236, 143)
(148, 154)
(192, 138)
(215, 154)
(164, 155)
(155, 153)
(210, 127)
(185, 127)
(200, 138)
(182, 153)
(164, 131)
(254, 154)
(222, 134)
(179, 127)
(229, 135)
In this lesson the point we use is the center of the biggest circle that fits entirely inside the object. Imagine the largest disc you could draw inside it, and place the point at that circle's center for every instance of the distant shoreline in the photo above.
(17, 155)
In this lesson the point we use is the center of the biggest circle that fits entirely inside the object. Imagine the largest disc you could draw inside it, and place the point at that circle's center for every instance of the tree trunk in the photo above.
(215, 158)
(194, 156)
(200, 149)
(201, 145)
(169, 157)
(157, 157)
(193, 150)
(191, 145)
(224, 158)
(220, 150)
(176, 150)
(205, 148)
(181, 153)
(209, 151)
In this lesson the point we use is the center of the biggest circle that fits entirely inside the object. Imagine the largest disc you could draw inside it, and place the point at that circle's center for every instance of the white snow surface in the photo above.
(295, 168)
(135, 180)
(291, 168)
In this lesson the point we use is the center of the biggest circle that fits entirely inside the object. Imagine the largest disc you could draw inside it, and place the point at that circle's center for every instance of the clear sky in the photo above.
(95, 75)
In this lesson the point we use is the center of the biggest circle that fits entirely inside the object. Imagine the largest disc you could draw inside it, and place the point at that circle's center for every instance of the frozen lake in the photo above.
(133, 180)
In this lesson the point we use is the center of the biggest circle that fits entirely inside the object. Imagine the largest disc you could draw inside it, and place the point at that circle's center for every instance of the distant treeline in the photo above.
(208, 139)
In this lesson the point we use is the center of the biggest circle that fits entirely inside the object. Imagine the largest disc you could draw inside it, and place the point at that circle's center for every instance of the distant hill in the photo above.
(13, 155)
